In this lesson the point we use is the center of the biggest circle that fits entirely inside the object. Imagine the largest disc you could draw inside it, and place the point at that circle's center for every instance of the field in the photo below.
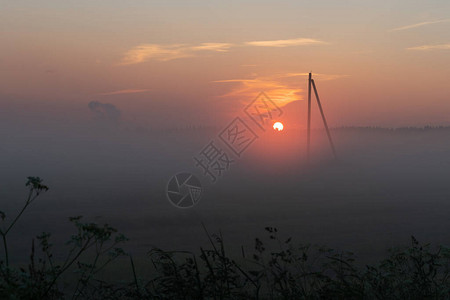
(385, 186)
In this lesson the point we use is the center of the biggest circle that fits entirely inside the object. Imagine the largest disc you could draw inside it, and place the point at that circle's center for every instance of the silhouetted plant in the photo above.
(416, 272)
(35, 188)
(90, 250)
(277, 269)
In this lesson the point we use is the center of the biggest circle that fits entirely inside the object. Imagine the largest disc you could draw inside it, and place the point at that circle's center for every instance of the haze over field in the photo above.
(385, 186)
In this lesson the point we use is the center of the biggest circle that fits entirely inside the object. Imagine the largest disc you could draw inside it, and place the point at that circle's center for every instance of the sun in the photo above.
(278, 126)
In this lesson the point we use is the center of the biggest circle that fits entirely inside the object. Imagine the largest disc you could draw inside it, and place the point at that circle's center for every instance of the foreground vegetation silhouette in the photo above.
(276, 269)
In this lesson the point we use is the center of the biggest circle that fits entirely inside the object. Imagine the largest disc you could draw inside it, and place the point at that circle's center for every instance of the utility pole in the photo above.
(308, 127)
(324, 120)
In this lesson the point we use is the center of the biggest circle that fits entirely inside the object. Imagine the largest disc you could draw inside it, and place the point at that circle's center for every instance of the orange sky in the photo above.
(180, 62)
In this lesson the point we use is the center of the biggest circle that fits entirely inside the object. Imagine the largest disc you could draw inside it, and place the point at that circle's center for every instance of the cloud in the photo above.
(419, 25)
(430, 47)
(127, 91)
(236, 80)
(282, 88)
(280, 91)
(285, 43)
(146, 52)
(219, 47)
(105, 112)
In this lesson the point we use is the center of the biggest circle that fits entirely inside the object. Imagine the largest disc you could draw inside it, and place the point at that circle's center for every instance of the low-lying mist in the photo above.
(385, 185)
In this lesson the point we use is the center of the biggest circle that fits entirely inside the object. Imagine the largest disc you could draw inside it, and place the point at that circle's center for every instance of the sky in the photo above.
(176, 63)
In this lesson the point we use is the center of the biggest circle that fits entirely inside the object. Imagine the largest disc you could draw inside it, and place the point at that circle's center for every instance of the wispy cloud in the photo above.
(430, 47)
(127, 91)
(220, 47)
(285, 43)
(147, 52)
(419, 25)
(283, 88)
(236, 80)
(280, 91)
